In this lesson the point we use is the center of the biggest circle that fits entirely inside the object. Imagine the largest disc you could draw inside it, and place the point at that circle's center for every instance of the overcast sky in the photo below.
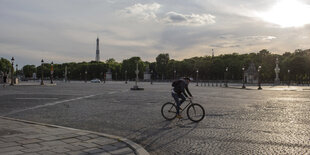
(66, 30)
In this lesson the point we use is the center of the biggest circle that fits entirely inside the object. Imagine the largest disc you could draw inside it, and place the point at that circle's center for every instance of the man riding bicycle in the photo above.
(178, 91)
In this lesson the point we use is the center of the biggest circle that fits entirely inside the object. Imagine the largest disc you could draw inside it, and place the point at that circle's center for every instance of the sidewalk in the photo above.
(25, 137)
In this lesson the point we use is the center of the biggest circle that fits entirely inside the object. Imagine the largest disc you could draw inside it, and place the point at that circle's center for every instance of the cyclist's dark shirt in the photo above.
(182, 86)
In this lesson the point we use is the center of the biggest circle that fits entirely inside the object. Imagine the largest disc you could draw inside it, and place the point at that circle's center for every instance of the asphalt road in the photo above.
(237, 121)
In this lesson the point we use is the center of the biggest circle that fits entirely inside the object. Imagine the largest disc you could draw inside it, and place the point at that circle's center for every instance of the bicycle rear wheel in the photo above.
(195, 112)
(169, 111)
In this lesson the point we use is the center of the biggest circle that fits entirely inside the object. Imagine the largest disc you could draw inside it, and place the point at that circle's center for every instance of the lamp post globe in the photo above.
(259, 78)
(226, 81)
(42, 83)
(197, 77)
(289, 78)
(52, 72)
(85, 76)
(125, 76)
(12, 70)
(151, 76)
(243, 80)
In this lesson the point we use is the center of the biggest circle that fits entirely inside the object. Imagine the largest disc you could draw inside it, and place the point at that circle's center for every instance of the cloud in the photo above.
(193, 19)
(142, 11)
(150, 12)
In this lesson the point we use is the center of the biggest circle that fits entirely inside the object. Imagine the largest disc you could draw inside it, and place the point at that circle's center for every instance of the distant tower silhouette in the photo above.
(97, 51)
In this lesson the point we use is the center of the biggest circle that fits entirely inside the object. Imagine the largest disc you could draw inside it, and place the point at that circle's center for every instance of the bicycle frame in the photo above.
(188, 104)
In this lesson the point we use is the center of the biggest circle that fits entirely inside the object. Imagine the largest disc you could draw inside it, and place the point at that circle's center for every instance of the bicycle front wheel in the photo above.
(195, 112)
(169, 111)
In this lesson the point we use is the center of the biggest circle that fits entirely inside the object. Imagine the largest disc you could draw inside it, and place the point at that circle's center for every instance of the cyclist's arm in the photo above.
(189, 93)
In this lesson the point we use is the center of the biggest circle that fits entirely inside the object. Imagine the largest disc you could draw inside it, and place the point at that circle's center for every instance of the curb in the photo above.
(139, 150)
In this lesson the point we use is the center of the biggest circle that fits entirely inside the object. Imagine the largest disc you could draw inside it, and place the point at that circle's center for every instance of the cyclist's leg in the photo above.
(182, 98)
(176, 99)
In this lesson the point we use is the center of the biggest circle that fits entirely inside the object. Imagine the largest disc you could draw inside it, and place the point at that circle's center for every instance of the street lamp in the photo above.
(259, 78)
(174, 73)
(226, 71)
(151, 76)
(16, 69)
(125, 76)
(101, 75)
(197, 77)
(52, 72)
(243, 80)
(42, 83)
(85, 76)
(289, 79)
(12, 70)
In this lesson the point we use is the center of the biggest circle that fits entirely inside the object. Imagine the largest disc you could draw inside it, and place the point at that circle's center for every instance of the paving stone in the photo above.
(83, 138)
(29, 141)
(122, 151)
(120, 144)
(52, 143)
(93, 150)
(10, 149)
(75, 148)
(2, 145)
(11, 153)
(108, 148)
(47, 153)
(78, 153)
(70, 140)
(59, 149)
(49, 138)
(36, 149)
(31, 145)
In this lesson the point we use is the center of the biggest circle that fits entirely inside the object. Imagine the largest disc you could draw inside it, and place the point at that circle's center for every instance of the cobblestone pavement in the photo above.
(237, 121)
(24, 137)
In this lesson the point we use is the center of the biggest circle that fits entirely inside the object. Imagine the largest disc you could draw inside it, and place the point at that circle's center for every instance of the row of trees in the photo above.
(208, 67)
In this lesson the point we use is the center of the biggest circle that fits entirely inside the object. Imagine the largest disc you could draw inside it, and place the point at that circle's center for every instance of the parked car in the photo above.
(95, 81)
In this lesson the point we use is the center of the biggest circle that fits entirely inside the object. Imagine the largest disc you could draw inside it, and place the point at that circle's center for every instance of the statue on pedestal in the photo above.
(277, 71)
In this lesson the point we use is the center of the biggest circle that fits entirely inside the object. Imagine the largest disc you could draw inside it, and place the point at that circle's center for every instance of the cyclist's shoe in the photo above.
(179, 117)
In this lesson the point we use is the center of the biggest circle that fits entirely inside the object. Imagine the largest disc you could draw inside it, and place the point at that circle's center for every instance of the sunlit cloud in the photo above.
(192, 19)
(287, 13)
(142, 11)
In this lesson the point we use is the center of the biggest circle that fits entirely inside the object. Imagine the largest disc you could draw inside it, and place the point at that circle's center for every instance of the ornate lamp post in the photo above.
(243, 80)
(42, 83)
(197, 77)
(16, 69)
(289, 79)
(85, 76)
(174, 73)
(12, 70)
(151, 76)
(259, 78)
(226, 71)
(101, 75)
(125, 76)
(52, 72)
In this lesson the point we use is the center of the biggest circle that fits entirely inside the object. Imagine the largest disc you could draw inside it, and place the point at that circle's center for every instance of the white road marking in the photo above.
(58, 102)
(36, 98)
(49, 104)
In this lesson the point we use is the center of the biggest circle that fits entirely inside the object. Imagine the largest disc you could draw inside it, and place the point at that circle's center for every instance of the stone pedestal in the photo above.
(277, 71)
(135, 87)
(108, 75)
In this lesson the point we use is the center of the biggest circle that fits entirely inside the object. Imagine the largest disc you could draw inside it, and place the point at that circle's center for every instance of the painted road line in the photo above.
(49, 104)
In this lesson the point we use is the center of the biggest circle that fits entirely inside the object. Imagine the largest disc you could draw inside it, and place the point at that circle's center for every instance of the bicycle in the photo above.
(195, 112)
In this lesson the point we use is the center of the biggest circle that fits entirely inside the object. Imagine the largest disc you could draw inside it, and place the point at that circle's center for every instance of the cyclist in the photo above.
(178, 91)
